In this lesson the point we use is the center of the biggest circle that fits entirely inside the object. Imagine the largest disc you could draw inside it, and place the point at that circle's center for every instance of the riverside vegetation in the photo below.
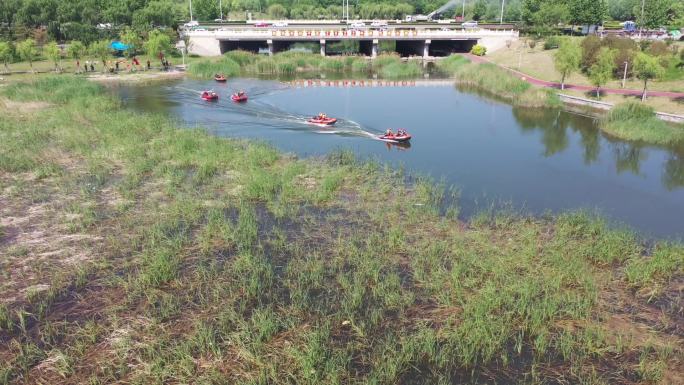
(134, 251)
(234, 63)
(637, 122)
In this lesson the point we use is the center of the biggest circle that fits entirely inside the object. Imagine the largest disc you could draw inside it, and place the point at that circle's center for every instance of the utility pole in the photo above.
(190, 10)
(463, 12)
(624, 77)
(221, 10)
(502, 7)
(641, 30)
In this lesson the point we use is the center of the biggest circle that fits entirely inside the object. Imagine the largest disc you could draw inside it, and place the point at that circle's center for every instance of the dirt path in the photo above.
(544, 83)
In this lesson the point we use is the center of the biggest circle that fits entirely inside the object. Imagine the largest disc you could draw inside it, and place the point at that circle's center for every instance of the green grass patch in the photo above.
(499, 83)
(401, 70)
(637, 122)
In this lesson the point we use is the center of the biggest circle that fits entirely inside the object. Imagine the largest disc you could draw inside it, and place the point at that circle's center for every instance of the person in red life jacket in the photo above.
(389, 133)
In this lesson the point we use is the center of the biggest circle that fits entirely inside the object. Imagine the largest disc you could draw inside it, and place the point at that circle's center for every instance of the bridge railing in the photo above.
(349, 33)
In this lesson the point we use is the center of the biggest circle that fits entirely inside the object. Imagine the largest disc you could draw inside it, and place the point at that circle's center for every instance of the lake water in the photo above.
(536, 161)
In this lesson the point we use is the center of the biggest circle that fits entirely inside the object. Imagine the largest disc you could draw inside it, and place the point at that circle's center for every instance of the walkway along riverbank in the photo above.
(567, 99)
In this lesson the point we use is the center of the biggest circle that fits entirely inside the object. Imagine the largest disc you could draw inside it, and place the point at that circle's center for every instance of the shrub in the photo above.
(287, 67)
(658, 48)
(385, 59)
(452, 63)
(266, 66)
(207, 69)
(241, 57)
(332, 65)
(360, 66)
(590, 47)
(401, 70)
(636, 121)
(479, 50)
(551, 42)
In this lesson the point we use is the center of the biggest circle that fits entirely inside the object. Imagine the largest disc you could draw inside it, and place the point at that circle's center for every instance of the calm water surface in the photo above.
(537, 161)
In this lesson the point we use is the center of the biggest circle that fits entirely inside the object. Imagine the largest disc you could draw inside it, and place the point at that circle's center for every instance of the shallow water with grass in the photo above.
(533, 160)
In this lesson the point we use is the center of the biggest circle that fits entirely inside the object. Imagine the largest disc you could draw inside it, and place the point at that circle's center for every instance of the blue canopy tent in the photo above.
(119, 46)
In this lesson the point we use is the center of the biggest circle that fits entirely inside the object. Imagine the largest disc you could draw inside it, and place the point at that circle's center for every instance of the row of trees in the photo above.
(549, 13)
(89, 20)
(157, 45)
(605, 63)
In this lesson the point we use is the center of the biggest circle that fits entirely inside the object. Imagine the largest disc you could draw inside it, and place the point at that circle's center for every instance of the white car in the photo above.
(379, 24)
(358, 24)
(193, 23)
(470, 24)
(280, 24)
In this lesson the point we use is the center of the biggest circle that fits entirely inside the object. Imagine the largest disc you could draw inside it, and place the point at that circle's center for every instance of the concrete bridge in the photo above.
(365, 83)
(425, 42)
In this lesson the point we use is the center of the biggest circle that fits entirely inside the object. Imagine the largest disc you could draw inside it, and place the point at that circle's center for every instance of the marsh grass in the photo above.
(498, 82)
(288, 63)
(637, 122)
(233, 263)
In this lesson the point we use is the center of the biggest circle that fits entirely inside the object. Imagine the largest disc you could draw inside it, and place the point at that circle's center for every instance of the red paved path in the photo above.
(544, 83)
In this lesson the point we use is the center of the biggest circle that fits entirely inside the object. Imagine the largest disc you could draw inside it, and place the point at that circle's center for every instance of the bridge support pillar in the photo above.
(374, 49)
(322, 42)
(270, 47)
(426, 49)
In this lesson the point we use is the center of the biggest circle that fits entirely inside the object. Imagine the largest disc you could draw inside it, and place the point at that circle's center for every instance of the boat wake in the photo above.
(225, 112)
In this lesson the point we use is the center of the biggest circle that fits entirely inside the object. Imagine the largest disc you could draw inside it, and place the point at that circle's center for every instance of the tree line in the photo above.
(614, 58)
(157, 44)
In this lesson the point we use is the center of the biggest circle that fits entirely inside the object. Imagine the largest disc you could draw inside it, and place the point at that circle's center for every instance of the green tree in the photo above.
(655, 13)
(53, 53)
(205, 9)
(276, 11)
(27, 51)
(567, 59)
(601, 71)
(544, 15)
(6, 54)
(131, 38)
(646, 67)
(587, 12)
(102, 51)
(479, 10)
(157, 44)
(621, 9)
(76, 50)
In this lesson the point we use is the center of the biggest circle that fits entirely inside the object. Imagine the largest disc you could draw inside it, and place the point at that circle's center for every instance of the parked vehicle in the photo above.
(262, 24)
(415, 18)
(280, 24)
(379, 24)
(470, 24)
(358, 24)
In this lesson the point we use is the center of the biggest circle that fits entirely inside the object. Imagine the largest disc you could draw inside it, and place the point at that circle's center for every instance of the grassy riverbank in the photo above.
(637, 122)
(137, 252)
(235, 63)
(497, 82)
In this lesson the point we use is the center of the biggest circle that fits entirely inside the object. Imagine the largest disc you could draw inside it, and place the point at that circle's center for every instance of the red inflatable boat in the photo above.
(209, 95)
(401, 136)
(239, 98)
(322, 120)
